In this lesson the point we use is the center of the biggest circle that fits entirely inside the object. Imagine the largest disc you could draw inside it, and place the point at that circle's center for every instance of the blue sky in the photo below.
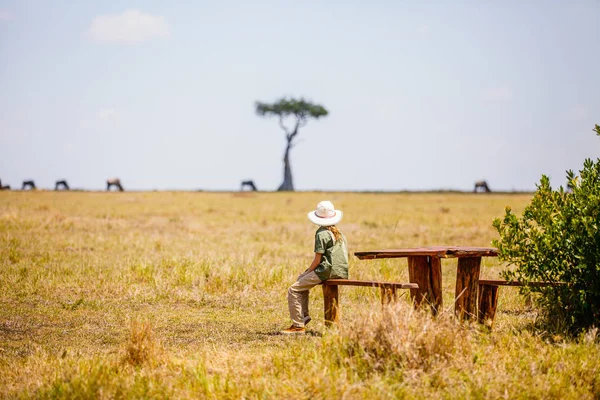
(421, 94)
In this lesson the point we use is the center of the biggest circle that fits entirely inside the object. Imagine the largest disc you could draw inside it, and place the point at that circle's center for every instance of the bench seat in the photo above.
(352, 282)
(517, 283)
(331, 294)
(488, 296)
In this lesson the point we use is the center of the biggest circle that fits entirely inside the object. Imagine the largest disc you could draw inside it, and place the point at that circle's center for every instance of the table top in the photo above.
(434, 251)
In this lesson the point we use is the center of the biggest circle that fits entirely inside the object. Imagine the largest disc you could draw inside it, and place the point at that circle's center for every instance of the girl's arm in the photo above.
(315, 262)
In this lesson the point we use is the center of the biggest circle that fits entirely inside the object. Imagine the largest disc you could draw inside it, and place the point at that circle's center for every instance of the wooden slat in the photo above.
(352, 282)
(515, 283)
(398, 253)
(435, 251)
(459, 252)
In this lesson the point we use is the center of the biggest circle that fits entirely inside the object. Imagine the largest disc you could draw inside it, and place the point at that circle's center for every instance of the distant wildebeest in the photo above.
(114, 182)
(7, 187)
(481, 186)
(28, 184)
(61, 184)
(249, 184)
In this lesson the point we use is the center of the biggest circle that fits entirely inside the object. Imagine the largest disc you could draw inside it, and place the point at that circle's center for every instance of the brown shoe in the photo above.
(294, 330)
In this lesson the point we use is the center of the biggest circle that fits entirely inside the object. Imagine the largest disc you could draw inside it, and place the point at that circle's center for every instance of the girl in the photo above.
(331, 261)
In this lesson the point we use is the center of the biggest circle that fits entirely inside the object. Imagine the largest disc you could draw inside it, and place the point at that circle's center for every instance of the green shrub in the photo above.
(557, 240)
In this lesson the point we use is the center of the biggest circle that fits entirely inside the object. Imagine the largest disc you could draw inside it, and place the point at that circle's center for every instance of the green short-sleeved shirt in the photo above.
(334, 262)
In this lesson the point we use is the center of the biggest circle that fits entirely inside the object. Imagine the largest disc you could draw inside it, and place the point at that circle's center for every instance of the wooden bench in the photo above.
(331, 294)
(488, 297)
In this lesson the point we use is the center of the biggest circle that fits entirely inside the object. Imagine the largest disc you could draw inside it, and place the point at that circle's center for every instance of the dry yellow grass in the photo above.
(120, 295)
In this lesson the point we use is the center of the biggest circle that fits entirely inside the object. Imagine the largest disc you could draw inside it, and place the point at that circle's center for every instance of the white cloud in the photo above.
(501, 93)
(105, 113)
(577, 113)
(129, 27)
(6, 15)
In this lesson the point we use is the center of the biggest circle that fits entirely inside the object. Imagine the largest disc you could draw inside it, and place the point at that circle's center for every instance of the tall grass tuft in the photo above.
(142, 348)
(400, 337)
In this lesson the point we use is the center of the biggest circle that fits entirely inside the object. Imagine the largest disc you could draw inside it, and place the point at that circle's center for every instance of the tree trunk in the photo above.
(288, 184)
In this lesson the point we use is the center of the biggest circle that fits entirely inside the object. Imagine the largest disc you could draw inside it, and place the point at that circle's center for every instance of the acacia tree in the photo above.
(301, 111)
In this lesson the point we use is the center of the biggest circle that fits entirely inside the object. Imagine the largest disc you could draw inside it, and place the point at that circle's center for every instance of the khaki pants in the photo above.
(298, 297)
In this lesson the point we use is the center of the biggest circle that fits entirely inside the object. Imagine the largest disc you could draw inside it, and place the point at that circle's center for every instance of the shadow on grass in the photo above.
(278, 333)
(527, 312)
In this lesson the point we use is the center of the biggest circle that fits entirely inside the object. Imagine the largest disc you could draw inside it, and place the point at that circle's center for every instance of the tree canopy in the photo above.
(284, 107)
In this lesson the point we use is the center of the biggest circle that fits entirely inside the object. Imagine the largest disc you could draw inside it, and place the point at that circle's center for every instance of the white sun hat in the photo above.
(325, 214)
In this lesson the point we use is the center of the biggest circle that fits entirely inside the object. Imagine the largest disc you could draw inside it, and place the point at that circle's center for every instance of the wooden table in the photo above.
(425, 269)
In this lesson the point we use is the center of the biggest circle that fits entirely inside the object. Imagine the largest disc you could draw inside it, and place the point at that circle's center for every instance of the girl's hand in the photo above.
(313, 265)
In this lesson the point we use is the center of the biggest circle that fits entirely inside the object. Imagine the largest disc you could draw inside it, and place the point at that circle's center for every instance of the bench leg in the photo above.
(331, 304)
(388, 295)
(467, 283)
(488, 300)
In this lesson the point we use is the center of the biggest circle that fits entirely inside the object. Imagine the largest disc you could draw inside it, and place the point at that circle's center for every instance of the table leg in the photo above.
(436, 285)
(467, 282)
(427, 273)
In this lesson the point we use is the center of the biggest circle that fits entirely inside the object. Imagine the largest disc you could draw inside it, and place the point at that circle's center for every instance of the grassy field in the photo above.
(179, 295)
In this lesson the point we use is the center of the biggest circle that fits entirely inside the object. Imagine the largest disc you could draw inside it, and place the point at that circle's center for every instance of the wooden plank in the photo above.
(397, 253)
(516, 283)
(331, 304)
(459, 252)
(419, 273)
(433, 251)
(488, 300)
(467, 282)
(351, 282)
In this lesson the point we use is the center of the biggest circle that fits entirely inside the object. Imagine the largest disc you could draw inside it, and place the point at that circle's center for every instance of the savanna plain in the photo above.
(183, 295)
